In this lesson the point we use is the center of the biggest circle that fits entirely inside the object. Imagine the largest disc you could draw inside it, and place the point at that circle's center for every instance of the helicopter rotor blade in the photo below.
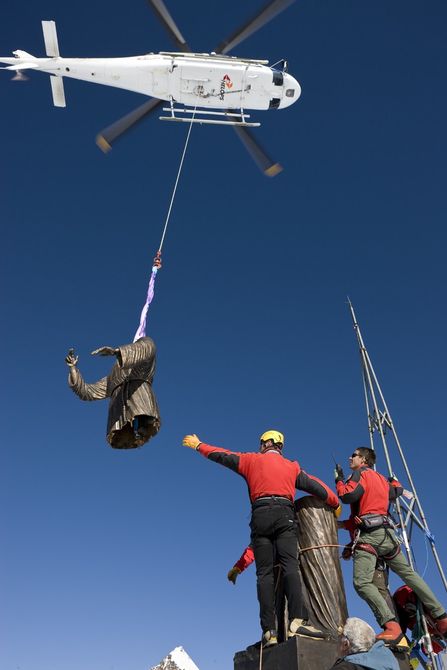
(269, 167)
(265, 15)
(107, 136)
(163, 14)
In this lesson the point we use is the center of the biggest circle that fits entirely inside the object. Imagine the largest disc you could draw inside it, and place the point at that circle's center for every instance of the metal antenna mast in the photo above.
(381, 427)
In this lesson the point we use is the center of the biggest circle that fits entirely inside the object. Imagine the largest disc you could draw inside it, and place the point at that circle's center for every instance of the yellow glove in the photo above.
(337, 511)
(233, 574)
(191, 441)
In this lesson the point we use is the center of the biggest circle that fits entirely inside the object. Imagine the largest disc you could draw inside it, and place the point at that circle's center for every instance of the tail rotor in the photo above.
(20, 76)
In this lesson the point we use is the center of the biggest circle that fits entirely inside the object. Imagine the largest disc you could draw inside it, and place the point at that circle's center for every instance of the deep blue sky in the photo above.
(111, 559)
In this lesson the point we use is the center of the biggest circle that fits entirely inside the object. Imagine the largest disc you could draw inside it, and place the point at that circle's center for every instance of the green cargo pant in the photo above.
(380, 580)
(384, 542)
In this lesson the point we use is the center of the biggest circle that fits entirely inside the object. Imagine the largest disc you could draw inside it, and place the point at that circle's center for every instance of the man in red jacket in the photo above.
(369, 494)
(272, 480)
(245, 560)
(406, 604)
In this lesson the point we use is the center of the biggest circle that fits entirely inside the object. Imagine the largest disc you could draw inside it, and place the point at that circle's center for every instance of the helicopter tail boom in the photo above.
(22, 61)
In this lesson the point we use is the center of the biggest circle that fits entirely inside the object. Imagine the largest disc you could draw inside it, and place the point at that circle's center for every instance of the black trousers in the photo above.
(273, 538)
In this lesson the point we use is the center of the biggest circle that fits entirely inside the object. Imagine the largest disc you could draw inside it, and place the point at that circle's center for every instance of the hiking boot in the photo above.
(441, 625)
(303, 627)
(392, 632)
(269, 638)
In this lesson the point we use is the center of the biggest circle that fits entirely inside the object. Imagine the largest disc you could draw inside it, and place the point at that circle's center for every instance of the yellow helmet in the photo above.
(275, 435)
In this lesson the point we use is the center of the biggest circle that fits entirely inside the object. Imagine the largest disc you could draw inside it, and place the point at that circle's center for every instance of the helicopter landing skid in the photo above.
(189, 115)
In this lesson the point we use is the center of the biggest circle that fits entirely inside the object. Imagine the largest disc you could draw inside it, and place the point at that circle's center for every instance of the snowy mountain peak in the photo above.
(177, 659)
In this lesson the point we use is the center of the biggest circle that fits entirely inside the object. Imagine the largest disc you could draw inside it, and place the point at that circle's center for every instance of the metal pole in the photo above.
(372, 377)
(410, 479)
(367, 373)
(368, 411)
(371, 383)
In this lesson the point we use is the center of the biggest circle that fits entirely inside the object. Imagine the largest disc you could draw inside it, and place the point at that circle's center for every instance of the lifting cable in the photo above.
(141, 331)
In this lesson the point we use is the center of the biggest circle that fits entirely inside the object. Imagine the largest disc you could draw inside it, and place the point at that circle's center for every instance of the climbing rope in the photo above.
(157, 264)
(320, 546)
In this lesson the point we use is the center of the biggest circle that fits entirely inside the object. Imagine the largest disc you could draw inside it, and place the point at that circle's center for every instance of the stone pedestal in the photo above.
(298, 653)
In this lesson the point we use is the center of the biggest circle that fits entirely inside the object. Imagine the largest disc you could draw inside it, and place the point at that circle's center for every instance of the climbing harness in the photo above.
(157, 263)
(368, 522)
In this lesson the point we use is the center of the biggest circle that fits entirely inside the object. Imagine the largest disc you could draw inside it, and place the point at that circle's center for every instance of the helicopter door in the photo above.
(160, 84)
(193, 84)
(215, 86)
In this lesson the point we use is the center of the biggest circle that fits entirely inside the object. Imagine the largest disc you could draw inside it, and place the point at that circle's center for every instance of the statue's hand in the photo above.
(105, 351)
(71, 359)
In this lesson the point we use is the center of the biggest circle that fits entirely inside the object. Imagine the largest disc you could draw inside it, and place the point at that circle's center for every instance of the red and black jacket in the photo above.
(368, 492)
(270, 474)
(247, 558)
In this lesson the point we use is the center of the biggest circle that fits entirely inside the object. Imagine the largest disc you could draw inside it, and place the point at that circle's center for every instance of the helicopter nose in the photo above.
(286, 90)
(291, 91)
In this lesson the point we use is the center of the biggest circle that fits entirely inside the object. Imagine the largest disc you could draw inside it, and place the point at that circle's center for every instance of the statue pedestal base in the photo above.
(298, 653)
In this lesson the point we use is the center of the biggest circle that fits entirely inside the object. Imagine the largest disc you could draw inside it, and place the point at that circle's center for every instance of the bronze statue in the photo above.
(320, 563)
(133, 410)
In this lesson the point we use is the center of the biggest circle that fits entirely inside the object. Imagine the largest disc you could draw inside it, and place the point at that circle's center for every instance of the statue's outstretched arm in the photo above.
(85, 391)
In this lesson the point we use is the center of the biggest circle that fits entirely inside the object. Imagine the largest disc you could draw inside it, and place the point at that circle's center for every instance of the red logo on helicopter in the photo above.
(225, 83)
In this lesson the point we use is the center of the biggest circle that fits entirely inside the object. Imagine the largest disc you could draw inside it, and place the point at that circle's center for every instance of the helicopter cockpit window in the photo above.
(278, 78)
(290, 93)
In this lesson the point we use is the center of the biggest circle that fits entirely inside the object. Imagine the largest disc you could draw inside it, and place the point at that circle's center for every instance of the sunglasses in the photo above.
(356, 454)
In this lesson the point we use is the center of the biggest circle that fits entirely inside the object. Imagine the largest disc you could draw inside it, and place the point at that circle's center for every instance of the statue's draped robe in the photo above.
(129, 387)
(320, 567)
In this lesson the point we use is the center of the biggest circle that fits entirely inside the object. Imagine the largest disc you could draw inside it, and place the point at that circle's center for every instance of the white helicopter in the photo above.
(213, 88)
